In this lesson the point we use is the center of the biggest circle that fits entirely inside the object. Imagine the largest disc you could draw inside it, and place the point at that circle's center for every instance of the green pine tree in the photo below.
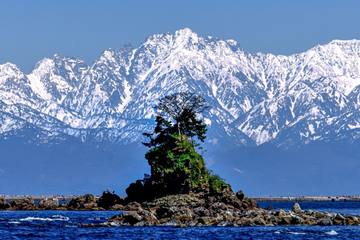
(176, 166)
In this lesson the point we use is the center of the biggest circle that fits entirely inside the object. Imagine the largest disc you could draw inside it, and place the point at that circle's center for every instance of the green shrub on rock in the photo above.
(176, 166)
(217, 184)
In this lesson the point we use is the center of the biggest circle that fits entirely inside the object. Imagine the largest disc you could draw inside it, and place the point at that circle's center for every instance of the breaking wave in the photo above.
(53, 218)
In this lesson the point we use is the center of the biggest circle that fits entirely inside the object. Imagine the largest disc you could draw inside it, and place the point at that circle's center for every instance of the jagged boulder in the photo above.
(296, 208)
(109, 200)
(85, 202)
(49, 204)
(23, 204)
(3, 204)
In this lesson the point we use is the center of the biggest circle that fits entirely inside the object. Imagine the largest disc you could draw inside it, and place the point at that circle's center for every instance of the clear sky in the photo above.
(31, 30)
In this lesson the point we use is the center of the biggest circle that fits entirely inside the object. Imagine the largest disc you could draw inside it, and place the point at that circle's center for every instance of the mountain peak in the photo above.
(186, 36)
(185, 32)
(44, 65)
(9, 69)
(108, 55)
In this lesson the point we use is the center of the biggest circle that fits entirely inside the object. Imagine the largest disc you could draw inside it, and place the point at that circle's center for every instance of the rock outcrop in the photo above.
(228, 210)
(3, 204)
(22, 204)
(107, 201)
(49, 204)
(85, 202)
(110, 201)
(296, 208)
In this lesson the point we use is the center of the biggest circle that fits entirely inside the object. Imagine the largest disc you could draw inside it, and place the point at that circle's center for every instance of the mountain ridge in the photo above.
(255, 98)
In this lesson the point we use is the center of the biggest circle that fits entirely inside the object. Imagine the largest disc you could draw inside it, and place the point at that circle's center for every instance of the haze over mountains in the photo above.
(257, 100)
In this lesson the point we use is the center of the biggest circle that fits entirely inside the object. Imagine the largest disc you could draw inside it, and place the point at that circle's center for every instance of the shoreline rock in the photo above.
(189, 210)
(88, 202)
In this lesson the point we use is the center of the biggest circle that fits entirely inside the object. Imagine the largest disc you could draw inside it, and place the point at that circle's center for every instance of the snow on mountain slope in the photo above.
(255, 98)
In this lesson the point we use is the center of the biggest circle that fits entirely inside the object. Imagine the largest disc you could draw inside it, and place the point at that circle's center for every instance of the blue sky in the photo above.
(31, 30)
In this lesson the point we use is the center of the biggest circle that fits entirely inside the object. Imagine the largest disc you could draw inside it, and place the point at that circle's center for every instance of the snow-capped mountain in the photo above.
(255, 98)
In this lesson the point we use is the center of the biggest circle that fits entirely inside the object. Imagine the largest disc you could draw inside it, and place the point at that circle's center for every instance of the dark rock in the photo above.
(23, 204)
(2, 203)
(149, 218)
(131, 218)
(165, 212)
(205, 221)
(240, 195)
(259, 221)
(201, 211)
(352, 220)
(133, 206)
(339, 220)
(285, 220)
(280, 213)
(248, 204)
(85, 202)
(117, 207)
(218, 206)
(297, 220)
(109, 199)
(324, 222)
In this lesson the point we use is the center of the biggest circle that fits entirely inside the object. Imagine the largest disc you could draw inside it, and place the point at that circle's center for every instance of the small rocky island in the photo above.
(181, 191)
(187, 210)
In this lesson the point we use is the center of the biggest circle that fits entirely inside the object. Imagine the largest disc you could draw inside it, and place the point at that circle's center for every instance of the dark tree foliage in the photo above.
(178, 113)
(175, 165)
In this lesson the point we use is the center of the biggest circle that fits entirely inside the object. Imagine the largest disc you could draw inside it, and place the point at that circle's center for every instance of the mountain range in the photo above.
(256, 99)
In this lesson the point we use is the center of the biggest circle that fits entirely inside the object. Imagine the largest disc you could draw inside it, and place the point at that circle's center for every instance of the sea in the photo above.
(68, 225)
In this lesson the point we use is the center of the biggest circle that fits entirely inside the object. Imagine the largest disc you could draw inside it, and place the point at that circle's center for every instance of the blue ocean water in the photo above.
(66, 225)
(343, 207)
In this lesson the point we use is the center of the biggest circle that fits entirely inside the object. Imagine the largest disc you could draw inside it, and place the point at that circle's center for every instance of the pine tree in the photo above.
(176, 166)
(178, 114)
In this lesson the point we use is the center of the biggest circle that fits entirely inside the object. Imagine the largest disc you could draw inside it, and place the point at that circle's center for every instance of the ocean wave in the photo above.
(53, 218)
(114, 224)
(63, 218)
(332, 233)
(297, 233)
(14, 222)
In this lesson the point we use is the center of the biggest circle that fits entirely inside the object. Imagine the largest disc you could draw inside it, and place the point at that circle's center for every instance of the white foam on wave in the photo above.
(297, 233)
(60, 217)
(114, 224)
(332, 232)
(53, 218)
(14, 222)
